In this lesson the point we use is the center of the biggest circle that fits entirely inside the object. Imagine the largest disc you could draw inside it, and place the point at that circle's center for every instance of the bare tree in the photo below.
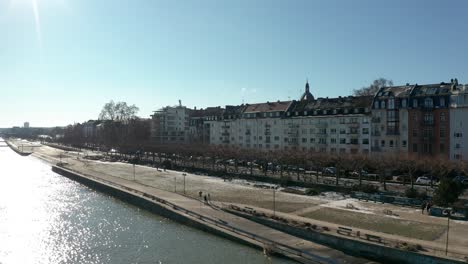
(373, 87)
(118, 111)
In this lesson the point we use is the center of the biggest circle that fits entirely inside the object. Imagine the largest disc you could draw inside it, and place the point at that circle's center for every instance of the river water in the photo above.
(47, 218)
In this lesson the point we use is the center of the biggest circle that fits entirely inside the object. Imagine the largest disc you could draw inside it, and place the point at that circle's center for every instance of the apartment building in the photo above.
(170, 124)
(459, 123)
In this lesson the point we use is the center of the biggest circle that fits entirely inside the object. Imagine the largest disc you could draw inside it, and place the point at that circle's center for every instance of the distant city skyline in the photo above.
(62, 60)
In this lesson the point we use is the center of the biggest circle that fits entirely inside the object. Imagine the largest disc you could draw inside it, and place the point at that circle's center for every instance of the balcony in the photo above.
(225, 127)
(376, 134)
(375, 120)
(225, 134)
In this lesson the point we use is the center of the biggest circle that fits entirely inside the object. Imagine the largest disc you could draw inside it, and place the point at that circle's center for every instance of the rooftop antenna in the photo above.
(180, 102)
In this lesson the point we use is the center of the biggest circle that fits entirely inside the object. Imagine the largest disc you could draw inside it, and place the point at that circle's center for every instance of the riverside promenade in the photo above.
(164, 184)
(210, 218)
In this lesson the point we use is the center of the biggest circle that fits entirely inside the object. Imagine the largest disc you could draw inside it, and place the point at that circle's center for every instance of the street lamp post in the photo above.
(274, 201)
(133, 171)
(175, 184)
(447, 240)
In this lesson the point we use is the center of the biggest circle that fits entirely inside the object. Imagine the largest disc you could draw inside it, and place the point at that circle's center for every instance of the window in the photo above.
(415, 117)
(322, 141)
(442, 102)
(365, 130)
(391, 103)
(304, 140)
(428, 103)
(365, 141)
(415, 147)
(403, 143)
(353, 130)
(391, 143)
(442, 132)
(276, 138)
(428, 119)
(415, 132)
(285, 139)
(382, 104)
(382, 143)
(403, 103)
(333, 130)
(333, 140)
(342, 131)
(415, 102)
(458, 135)
(442, 117)
(342, 120)
(305, 112)
(342, 140)
(312, 140)
(457, 146)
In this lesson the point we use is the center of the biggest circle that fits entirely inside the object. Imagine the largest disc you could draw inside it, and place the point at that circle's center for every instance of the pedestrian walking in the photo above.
(200, 194)
(423, 206)
(428, 207)
(204, 198)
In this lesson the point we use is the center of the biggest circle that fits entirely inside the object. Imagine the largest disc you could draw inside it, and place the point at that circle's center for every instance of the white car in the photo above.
(423, 180)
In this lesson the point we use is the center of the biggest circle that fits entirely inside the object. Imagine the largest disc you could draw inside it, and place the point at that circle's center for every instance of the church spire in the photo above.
(307, 96)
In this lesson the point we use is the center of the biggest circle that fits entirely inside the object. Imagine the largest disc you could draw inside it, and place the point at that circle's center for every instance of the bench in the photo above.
(373, 238)
(344, 231)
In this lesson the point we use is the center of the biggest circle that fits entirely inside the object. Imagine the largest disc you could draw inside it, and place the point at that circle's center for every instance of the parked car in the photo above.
(423, 180)
(356, 173)
(329, 170)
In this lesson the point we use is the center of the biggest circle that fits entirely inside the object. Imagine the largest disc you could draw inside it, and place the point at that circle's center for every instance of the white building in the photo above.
(459, 123)
(336, 125)
(170, 125)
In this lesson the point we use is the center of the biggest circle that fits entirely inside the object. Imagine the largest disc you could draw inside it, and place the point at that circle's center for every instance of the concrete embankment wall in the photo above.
(376, 252)
(149, 205)
(15, 149)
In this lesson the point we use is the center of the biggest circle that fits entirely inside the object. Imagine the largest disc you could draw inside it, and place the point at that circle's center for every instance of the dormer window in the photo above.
(415, 102)
(346, 111)
(356, 110)
(305, 112)
(442, 102)
(391, 103)
(315, 112)
(376, 104)
(428, 102)
(382, 105)
(403, 103)
(335, 111)
(296, 113)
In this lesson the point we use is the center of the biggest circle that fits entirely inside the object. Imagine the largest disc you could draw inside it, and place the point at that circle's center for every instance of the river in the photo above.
(47, 218)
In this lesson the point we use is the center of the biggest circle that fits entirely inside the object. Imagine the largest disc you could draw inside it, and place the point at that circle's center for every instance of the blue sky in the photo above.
(151, 53)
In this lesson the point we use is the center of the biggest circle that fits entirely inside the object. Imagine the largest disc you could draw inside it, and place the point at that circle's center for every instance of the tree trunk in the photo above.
(360, 178)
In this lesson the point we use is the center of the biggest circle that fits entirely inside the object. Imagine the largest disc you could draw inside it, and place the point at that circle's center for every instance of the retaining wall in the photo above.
(376, 252)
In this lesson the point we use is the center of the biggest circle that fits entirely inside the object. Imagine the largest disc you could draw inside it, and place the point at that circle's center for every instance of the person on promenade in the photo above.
(423, 206)
(428, 207)
(204, 197)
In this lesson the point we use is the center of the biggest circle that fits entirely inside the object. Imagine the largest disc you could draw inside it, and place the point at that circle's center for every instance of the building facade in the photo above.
(459, 123)
(170, 125)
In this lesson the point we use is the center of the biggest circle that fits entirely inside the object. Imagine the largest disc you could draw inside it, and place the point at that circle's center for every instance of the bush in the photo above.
(366, 188)
(411, 193)
(313, 191)
(447, 192)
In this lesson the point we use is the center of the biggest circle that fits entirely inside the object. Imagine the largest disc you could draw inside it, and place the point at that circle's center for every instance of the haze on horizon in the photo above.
(62, 60)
